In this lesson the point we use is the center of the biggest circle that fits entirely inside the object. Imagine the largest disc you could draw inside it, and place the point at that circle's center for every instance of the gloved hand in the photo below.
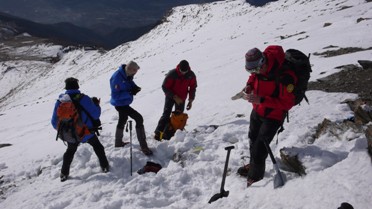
(247, 89)
(177, 99)
(189, 105)
(135, 90)
(253, 98)
(97, 123)
(96, 101)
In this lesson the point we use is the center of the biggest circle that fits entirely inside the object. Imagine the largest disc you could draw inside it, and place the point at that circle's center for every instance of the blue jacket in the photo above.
(87, 103)
(121, 85)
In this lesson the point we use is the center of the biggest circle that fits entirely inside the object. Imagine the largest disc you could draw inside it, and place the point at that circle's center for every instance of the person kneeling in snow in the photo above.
(271, 99)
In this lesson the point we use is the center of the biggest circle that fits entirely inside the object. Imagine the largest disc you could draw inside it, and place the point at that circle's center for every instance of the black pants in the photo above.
(71, 149)
(260, 129)
(124, 112)
(168, 106)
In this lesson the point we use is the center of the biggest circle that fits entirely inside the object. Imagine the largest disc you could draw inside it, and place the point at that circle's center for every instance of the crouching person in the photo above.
(76, 119)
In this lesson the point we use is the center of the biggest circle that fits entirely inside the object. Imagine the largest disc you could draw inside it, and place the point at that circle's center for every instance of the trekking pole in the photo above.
(279, 178)
(130, 137)
(223, 193)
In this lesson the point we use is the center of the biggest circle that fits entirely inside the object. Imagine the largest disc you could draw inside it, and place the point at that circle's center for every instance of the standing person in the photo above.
(123, 89)
(177, 84)
(271, 97)
(90, 113)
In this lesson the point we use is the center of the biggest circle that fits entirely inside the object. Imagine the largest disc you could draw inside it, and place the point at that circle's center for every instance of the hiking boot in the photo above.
(157, 136)
(146, 151)
(106, 169)
(121, 144)
(250, 181)
(243, 171)
(63, 177)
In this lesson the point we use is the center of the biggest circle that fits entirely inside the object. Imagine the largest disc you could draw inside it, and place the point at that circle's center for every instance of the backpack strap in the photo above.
(81, 108)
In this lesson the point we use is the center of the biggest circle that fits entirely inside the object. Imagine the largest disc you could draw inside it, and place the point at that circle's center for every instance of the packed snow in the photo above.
(213, 38)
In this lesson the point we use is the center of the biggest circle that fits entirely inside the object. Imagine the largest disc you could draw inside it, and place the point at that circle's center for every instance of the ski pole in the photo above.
(130, 137)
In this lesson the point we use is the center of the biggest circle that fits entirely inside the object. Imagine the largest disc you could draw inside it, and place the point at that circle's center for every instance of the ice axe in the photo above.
(279, 178)
(223, 193)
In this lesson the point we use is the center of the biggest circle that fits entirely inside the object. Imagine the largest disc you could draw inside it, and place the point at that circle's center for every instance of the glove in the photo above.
(96, 101)
(247, 89)
(97, 123)
(252, 98)
(189, 105)
(177, 99)
(135, 90)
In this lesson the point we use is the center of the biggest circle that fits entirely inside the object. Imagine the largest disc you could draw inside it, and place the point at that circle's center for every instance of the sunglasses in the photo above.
(254, 70)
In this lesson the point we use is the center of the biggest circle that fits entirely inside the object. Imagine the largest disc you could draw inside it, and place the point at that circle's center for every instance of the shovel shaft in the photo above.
(279, 178)
(225, 168)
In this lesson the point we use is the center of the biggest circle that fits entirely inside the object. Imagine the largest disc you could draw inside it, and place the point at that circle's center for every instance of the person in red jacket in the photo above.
(270, 93)
(177, 85)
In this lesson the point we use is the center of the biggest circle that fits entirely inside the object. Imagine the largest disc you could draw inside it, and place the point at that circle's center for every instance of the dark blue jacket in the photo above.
(121, 85)
(87, 103)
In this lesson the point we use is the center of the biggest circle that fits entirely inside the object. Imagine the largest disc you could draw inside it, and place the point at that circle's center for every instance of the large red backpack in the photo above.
(70, 126)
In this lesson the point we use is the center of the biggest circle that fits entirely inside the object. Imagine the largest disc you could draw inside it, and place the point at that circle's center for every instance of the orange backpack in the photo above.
(70, 126)
(178, 120)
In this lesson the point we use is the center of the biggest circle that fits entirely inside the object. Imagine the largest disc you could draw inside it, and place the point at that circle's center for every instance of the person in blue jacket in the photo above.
(123, 89)
(91, 106)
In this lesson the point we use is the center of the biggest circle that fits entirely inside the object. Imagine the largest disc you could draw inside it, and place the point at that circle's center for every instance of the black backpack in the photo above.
(299, 63)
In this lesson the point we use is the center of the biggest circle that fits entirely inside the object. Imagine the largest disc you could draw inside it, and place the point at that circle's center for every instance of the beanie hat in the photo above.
(71, 83)
(132, 65)
(254, 58)
(184, 66)
(345, 205)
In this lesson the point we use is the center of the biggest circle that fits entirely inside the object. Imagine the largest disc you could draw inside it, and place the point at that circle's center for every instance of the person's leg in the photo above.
(67, 160)
(119, 133)
(259, 153)
(100, 152)
(140, 130)
(254, 127)
(164, 119)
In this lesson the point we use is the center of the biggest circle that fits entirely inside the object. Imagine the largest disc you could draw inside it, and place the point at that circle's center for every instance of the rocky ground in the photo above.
(351, 79)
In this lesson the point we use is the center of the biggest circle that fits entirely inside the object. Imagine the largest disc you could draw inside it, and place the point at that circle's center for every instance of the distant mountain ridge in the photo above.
(66, 33)
(106, 23)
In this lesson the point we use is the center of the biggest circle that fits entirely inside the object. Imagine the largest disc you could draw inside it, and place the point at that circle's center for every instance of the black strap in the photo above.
(81, 108)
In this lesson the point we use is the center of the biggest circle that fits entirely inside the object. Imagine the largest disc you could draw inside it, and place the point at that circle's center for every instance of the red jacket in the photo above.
(175, 83)
(276, 93)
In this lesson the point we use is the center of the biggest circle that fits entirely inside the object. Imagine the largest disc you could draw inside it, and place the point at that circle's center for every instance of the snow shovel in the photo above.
(279, 178)
(223, 193)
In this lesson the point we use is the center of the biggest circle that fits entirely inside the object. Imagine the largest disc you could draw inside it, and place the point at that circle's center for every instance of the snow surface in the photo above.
(213, 38)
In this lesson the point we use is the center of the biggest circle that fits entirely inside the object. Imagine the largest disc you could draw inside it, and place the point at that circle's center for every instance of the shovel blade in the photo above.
(218, 196)
(279, 180)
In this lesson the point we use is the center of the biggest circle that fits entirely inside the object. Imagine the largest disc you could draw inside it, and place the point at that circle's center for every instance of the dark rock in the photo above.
(291, 160)
(366, 64)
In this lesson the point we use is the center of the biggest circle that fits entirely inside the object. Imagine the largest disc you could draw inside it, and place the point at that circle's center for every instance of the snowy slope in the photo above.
(213, 38)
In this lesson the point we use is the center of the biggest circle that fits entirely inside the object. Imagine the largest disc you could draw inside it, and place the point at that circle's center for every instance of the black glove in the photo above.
(135, 90)
(97, 123)
(96, 101)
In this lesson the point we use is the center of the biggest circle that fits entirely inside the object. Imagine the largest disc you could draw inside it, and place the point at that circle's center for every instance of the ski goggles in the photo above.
(255, 66)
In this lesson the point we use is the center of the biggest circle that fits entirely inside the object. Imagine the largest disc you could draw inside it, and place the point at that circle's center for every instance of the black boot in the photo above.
(119, 138)
(141, 136)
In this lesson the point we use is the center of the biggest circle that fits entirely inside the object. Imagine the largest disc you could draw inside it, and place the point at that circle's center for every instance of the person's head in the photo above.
(345, 205)
(255, 61)
(71, 83)
(184, 66)
(131, 68)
